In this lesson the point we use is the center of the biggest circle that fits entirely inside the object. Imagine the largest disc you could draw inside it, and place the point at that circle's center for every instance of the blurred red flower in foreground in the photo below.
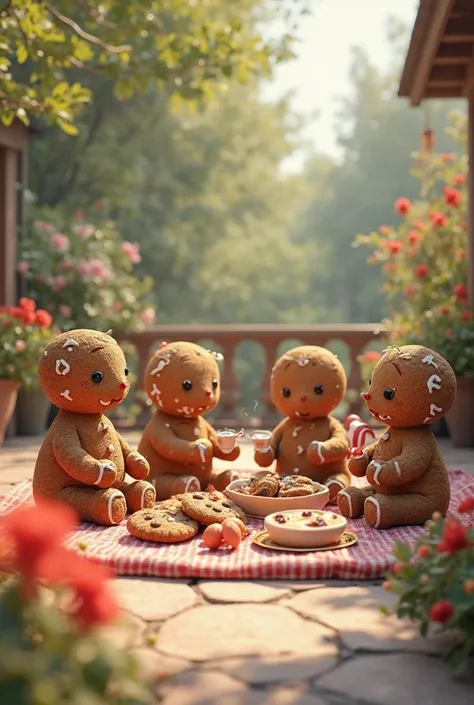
(460, 291)
(393, 246)
(36, 535)
(421, 271)
(402, 206)
(438, 218)
(467, 505)
(441, 611)
(452, 196)
(455, 537)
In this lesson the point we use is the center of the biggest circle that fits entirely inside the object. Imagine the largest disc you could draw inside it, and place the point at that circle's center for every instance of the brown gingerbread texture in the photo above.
(182, 380)
(307, 384)
(411, 387)
(83, 460)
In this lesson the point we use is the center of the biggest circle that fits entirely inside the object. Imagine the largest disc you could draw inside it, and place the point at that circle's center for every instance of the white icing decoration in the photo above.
(176, 401)
(62, 367)
(300, 450)
(434, 382)
(296, 471)
(189, 482)
(377, 506)
(103, 426)
(302, 361)
(161, 365)
(345, 494)
(155, 392)
(397, 468)
(319, 449)
(334, 482)
(103, 465)
(429, 360)
(70, 342)
(66, 394)
(295, 431)
(109, 506)
(45, 353)
(105, 403)
(202, 452)
(197, 432)
(167, 425)
(385, 436)
(405, 356)
(111, 447)
(378, 468)
(435, 409)
(187, 410)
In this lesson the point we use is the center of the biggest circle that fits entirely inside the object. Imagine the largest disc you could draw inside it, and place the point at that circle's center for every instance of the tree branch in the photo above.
(6, 6)
(85, 35)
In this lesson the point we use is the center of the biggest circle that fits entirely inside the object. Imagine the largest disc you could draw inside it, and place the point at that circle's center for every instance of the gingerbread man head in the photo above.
(307, 382)
(182, 379)
(410, 386)
(84, 371)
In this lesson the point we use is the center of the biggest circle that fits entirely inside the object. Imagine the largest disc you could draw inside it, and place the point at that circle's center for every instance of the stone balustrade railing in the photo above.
(356, 338)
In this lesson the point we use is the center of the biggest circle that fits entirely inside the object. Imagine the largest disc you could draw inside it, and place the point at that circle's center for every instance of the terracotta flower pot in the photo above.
(32, 412)
(8, 396)
(460, 418)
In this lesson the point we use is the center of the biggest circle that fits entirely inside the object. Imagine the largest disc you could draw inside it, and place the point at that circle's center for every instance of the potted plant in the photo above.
(434, 581)
(424, 265)
(24, 331)
(53, 605)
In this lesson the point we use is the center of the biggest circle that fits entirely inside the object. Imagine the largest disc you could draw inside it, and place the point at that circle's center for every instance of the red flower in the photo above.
(452, 196)
(438, 218)
(467, 505)
(385, 229)
(372, 356)
(469, 587)
(27, 304)
(446, 158)
(29, 317)
(460, 291)
(463, 225)
(413, 237)
(423, 551)
(459, 179)
(449, 333)
(421, 271)
(96, 603)
(44, 319)
(441, 611)
(402, 206)
(390, 268)
(466, 316)
(444, 310)
(393, 246)
(460, 255)
(454, 537)
(419, 224)
(410, 290)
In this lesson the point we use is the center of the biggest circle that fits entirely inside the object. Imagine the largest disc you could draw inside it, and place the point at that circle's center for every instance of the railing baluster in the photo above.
(270, 414)
(230, 388)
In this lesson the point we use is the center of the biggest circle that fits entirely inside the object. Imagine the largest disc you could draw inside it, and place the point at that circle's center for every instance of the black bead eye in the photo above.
(285, 392)
(215, 383)
(187, 385)
(126, 372)
(97, 377)
(319, 389)
(370, 381)
(389, 394)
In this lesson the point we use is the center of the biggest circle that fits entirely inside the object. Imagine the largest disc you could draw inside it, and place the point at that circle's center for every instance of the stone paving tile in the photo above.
(240, 591)
(303, 585)
(157, 666)
(393, 679)
(153, 599)
(219, 631)
(126, 633)
(261, 670)
(354, 613)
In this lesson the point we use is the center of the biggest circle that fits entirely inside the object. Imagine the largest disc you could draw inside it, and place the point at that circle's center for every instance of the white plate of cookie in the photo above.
(266, 492)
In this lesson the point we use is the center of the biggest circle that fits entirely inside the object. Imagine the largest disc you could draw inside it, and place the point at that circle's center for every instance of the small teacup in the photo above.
(226, 440)
(261, 440)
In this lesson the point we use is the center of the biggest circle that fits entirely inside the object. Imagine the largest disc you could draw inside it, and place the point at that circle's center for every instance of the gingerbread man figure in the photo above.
(411, 387)
(307, 384)
(83, 460)
(183, 382)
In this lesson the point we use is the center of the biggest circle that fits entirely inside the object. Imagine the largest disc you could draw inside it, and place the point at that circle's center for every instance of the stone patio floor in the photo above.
(278, 643)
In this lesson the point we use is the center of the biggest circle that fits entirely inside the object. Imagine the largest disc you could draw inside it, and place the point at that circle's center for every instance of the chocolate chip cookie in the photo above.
(162, 525)
(297, 486)
(211, 507)
(264, 485)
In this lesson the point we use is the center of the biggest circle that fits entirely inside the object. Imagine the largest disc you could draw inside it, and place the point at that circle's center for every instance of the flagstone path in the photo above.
(275, 643)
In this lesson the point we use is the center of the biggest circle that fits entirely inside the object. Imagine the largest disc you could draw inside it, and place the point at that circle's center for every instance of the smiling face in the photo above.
(410, 386)
(182, 379)
(84, 371)
(307, 383)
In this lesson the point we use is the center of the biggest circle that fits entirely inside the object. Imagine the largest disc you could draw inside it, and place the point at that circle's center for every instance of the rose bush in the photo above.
(83, 274)
(51, 650)
(24, 333)
(434, 580)
(424, 260)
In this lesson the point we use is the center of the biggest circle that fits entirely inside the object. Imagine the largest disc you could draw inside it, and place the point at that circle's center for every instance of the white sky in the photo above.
(320, 73)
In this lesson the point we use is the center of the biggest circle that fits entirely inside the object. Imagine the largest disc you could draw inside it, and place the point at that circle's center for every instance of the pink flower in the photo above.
(147, 316)
(59, 242)
(22, 267)
(84, 269)
(41, 279)
(118, 306)
(67, 263)
(20, 345)
(59, 283)
(94, 268)
(132, 250)
(84, 231)
(65, 311)
(43, 226)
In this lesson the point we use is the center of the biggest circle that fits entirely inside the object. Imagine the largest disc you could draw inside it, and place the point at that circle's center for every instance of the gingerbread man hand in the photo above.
(316, 453)
(137, 466)
(106, 474)
(203, 450)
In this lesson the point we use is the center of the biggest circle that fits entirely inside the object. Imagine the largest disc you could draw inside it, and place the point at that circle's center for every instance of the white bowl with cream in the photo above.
(305, 528)
(263, 506)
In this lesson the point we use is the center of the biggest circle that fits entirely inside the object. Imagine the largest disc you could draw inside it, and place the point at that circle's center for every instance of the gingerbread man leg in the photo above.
(221, 478)
(139, 495)
(107, 507)
(350, 501)
(335, 483)
(168, 485)
(384, 511)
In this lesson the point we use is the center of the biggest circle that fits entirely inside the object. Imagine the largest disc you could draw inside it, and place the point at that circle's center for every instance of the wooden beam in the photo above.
(464, 7)
(459, 30)
(437, 26)
(14, 137)
(454, 54)
(8, 212)
(448, 74)
(443, 91)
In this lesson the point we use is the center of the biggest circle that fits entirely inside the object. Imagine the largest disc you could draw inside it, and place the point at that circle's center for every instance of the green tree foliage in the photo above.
(49, 50)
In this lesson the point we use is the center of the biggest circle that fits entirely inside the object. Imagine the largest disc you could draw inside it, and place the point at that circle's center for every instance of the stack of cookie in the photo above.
(179, 518)
(272, 485)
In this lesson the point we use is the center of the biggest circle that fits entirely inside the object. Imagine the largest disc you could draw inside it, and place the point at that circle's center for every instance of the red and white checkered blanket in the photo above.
(368, 559)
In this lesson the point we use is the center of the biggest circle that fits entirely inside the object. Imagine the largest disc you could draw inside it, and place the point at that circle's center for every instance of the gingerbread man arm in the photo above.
(358, 464)
(167, 444)
(337, 445)
(136, 465)
(217, 452)
(413, 460)
(264, 460)
(78, 464)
